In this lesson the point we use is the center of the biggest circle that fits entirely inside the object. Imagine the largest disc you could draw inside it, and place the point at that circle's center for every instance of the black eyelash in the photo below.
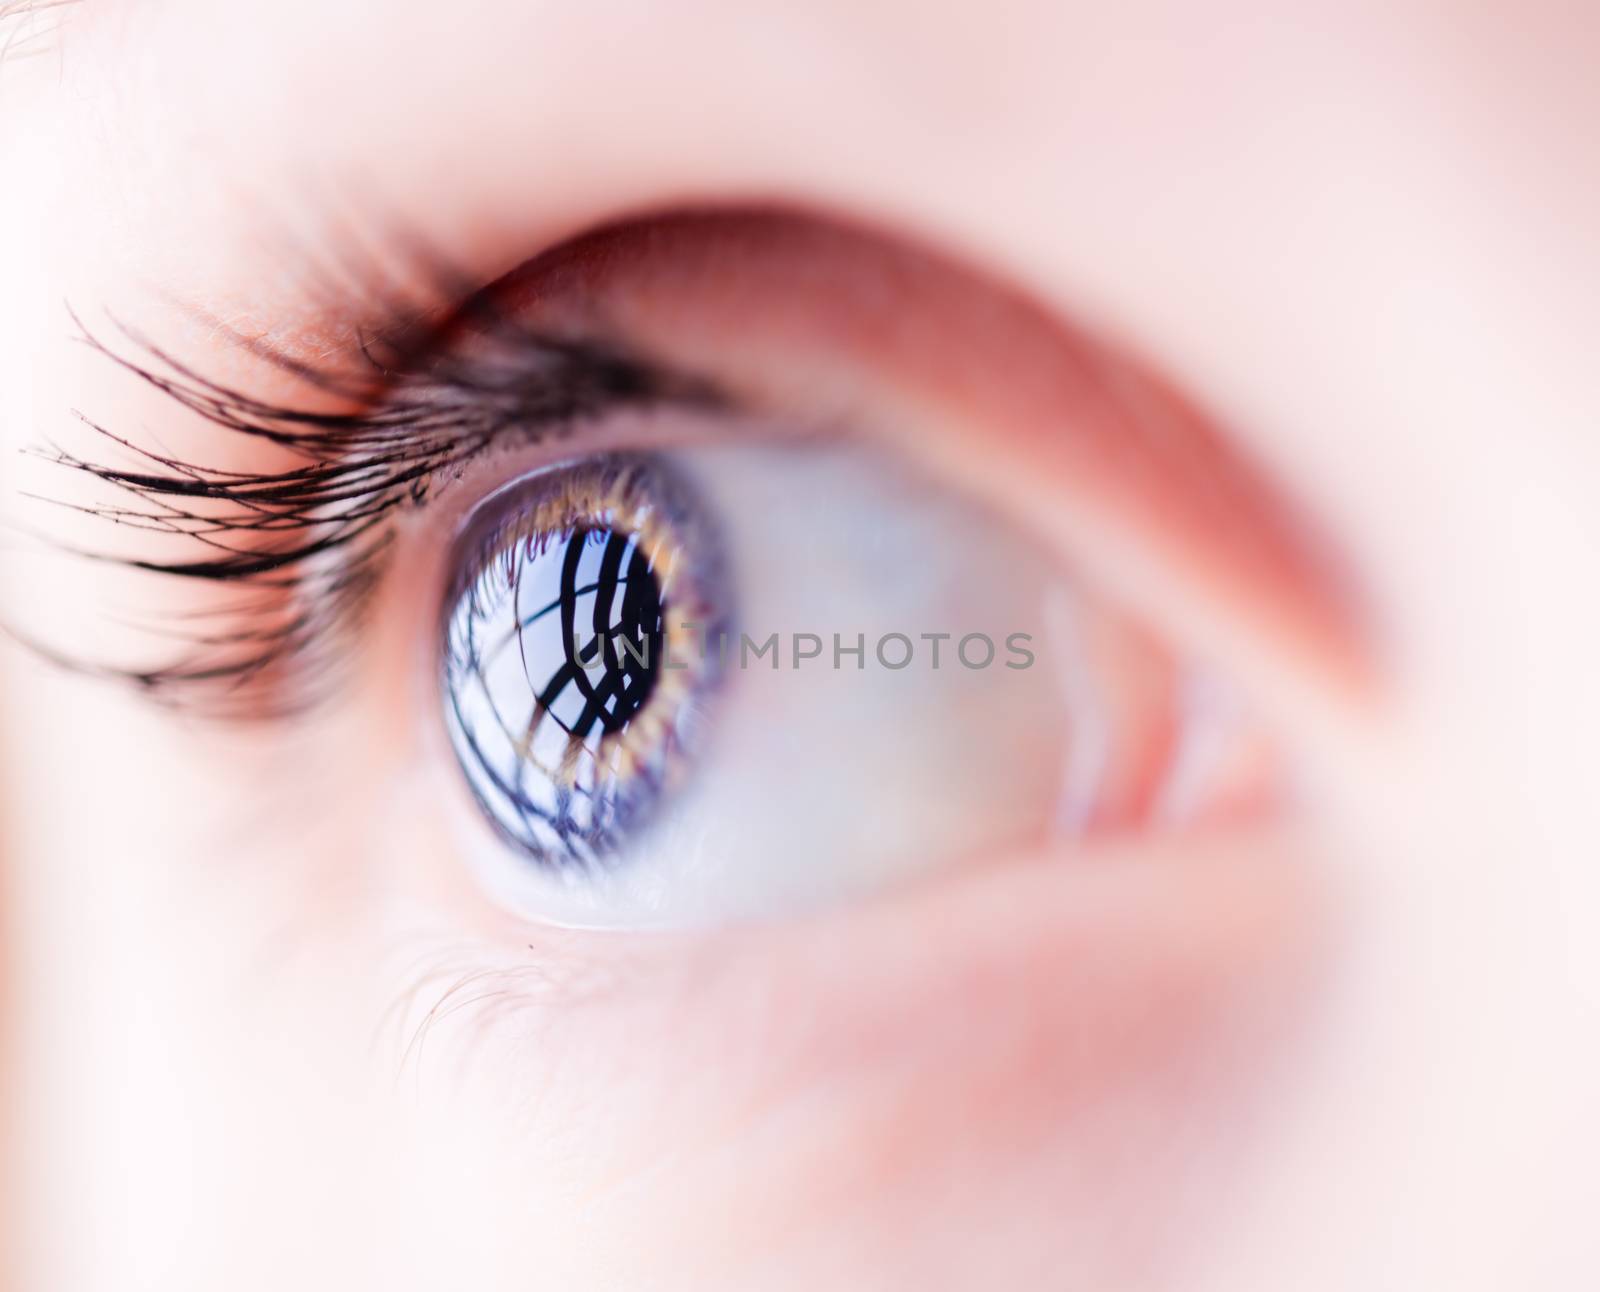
(27, 27)
(309, 542)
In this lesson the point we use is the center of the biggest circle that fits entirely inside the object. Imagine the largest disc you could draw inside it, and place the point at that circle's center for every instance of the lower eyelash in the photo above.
(312, 540)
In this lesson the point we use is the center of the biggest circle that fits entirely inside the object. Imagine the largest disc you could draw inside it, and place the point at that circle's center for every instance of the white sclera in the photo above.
(816, 783)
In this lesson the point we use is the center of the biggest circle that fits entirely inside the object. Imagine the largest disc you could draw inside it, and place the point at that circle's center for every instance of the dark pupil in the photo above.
(611, 632)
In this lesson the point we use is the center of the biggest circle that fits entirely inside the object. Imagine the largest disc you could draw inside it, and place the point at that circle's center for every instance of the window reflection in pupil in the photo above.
(611, 633)
(568, 717)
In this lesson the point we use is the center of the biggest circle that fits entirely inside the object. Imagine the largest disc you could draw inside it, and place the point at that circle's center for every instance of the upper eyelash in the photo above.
(267, 532)
(27, 27)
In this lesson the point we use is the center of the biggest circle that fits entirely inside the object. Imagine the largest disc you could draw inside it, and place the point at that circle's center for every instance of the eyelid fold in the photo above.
(1073, 436)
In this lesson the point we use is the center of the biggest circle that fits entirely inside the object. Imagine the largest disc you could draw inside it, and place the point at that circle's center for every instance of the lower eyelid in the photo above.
(1084, 982)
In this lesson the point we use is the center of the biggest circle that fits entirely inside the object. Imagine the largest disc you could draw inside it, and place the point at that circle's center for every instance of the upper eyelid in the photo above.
(1095, 451)
(1072, 405)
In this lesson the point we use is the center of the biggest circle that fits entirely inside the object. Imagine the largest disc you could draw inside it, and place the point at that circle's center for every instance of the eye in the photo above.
(751, 678)
(758, 563)
(571, 686)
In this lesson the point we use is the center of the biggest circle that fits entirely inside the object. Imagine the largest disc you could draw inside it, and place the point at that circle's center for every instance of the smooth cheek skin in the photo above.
(907, 1090)
(267, 1035)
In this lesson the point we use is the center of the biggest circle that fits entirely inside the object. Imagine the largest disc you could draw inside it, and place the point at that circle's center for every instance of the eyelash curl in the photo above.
(304, 547)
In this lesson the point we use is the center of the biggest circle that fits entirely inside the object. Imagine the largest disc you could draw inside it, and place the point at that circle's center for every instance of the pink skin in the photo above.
(1352, 1045)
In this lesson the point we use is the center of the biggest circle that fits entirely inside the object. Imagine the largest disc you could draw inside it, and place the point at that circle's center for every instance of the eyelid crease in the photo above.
(1094, 449)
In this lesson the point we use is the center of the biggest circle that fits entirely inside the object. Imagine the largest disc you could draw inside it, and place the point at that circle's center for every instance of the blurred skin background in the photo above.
(1272, 329)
